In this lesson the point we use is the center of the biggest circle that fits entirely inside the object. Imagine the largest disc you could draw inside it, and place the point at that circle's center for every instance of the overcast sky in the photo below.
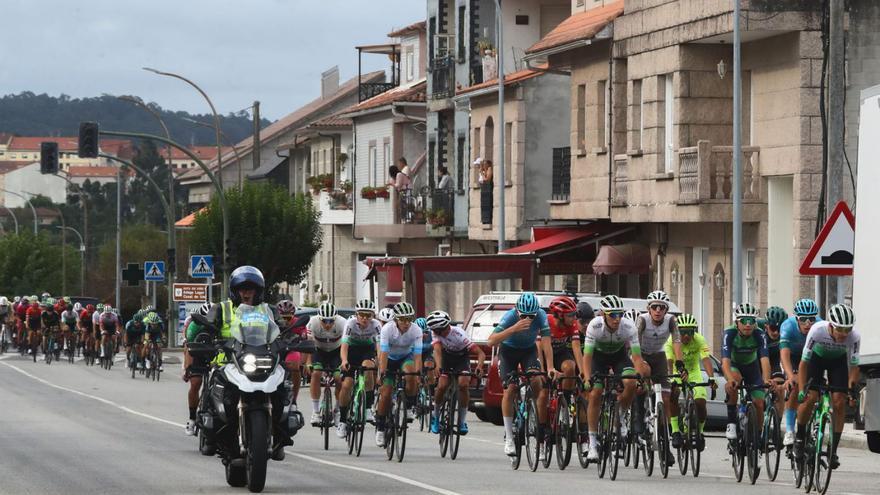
(238, 51)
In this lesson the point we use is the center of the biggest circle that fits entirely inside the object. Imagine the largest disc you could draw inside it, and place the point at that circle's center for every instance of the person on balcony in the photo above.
(445, 183)
(402, 180)
(485, 181)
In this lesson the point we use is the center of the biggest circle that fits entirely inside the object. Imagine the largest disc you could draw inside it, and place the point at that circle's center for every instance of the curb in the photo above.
(854, 440)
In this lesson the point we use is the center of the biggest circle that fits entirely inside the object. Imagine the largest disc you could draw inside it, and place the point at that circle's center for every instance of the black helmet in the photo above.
(585, 311)
(246, 276)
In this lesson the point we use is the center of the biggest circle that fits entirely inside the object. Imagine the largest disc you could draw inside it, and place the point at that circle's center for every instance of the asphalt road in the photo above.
(69, 429)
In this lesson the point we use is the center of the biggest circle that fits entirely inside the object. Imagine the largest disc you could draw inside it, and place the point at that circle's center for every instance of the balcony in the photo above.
(620, 189)
(369, 90)
(705, 174)
(382, 213)
(441, 216)
(442, 78)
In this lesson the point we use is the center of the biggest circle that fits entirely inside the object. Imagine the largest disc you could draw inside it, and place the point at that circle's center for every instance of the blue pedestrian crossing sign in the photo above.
(154, 271)
(201, 266)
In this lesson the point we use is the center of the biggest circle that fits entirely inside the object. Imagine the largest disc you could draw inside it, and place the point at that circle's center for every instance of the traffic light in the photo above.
(48, 157)
(88, 140)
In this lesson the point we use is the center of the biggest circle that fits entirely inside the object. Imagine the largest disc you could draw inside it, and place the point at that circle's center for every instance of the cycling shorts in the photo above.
(132, 338)
(659, 368)
(326, 360)
(512, 358)
(751, 374)
(837, 369)
(357, 354)
(456, 362)
(395, 365)
(618, 363)
(561, 355)
(152, 337)
(293, 357)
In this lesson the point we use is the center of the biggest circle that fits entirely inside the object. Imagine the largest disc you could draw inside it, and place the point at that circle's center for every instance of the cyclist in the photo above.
(385, 315)
(153, 332)
(85, 326)
(565, 338)
(516, 336)
(832, 346)
(34, 322)
(359, 350)
(108, 323)
(5, 312)
(793, 336)
(400, 349)
(21, 309)
(773, 319)
(50, 322)
(428, 366)
(134, 335)
(605, 347)
(326, 329)
(453, 349)
(198, 329)
(655, 328)
(744, 358)
(694, 352)
(293, 361)
(70, 319)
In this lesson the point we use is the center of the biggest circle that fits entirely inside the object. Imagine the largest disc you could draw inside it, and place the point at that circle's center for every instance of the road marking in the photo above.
(395, 477)
(501, 444)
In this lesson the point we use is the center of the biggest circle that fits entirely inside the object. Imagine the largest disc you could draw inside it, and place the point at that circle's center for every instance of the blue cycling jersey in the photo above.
(527, 338)
(790, 336)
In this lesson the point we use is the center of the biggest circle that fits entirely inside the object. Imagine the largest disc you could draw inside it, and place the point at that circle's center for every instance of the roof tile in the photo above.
(581, 26)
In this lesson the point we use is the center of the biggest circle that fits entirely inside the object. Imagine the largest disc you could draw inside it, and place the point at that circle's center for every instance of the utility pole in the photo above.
(736, 296)
(499, 55)
(118, 237)
(836, 127)
(256, 152)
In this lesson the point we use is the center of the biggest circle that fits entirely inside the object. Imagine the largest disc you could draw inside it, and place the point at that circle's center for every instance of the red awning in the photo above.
(555, 239)
(622, 258)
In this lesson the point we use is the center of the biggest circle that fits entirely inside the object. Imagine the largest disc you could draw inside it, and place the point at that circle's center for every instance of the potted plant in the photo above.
(341, 158)
(382, 192)
(438, 217)
(347, 186)
(368, 192)
(326, 181)
(314, 182)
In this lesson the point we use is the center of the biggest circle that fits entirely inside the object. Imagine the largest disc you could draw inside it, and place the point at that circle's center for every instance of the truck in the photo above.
(866, 262)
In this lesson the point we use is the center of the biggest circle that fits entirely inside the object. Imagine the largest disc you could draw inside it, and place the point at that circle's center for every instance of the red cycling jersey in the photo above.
(21, 310)
(34, 316)
(561, 335)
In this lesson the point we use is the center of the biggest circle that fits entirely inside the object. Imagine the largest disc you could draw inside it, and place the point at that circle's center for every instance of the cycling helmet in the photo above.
(108, 308)
(285, 307)
(100, 307)
(45, 295)
(806, 307)
(90, 308)
(686, 320)
(149, 308)
(841, 315)
(205, 308)
(245, 276)
(365, 305)
(77, 307)
(438, 320)
(3, 301)
(562, 305)
(527, 304)
(632, 314)
(17, 298)
(658, 296)
(51, 301)
(585, 311)
(422, 323)
(404, 309)
(327, 310)
(746, 310)
(152, 318)
(385, 315)
(611, 303)
(776, 315)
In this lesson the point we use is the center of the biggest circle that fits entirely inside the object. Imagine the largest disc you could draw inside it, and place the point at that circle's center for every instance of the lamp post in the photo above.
(82, 257)
(14, 218)
(222, 134)
(736, 296)
(33, 210)
(499, 55)
(85, 206)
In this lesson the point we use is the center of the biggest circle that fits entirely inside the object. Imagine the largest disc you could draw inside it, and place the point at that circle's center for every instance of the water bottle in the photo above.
(743, 419)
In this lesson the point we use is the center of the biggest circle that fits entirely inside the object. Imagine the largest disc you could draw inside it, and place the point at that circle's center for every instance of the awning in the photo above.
(547, 239)
(622, 259)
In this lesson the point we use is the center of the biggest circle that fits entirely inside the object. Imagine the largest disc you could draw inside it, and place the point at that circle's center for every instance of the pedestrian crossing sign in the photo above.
(154, 271)
(201, 266)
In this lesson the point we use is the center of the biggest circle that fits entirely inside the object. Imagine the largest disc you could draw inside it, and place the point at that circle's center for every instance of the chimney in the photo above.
(329, 82)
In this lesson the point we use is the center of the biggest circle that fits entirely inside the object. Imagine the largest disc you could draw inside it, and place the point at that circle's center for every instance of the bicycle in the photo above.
(357, 412)
(449, 418)
(107, 352)
(689, 423)
(155, 360)
(4, 339)
(328, 383)
(49, 351)
(561, 411)
(204, 350)
(70, 346)
(612, 445)
(655, 431)
(395, 432)
(424, 402)
(815, 467)
(747, 434)
(525, 420)
(771, 436)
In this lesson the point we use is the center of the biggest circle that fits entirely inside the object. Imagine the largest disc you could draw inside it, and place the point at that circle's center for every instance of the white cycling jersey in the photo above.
(355, 335)
(456, 342)
(598, 338)
(399, 344)
(653, 337)
(822, 344)
(326, 340)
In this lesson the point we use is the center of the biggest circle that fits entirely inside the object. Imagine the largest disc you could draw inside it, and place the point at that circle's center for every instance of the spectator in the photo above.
(485, 170)
(445, 182)
(402, 181)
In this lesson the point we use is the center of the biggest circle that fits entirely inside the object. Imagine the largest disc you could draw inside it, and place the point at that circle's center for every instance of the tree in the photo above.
(31, 264)
(270, 229)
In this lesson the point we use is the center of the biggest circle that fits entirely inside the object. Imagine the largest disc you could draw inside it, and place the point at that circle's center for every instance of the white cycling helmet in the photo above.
(327, 310)
(385, 315)
(77, 307)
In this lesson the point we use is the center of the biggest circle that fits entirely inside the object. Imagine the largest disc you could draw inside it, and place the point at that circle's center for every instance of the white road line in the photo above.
(475, 439)
(102, 400)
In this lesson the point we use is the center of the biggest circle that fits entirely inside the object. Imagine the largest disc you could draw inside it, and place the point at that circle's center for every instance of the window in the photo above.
(669, 119)
(372, 168)
(581, 125)
(410, 64)
(476, 154)
(460, 163)
(461, 32)
(508, 152)
(386, 152)
(432, 150)
(638, 122)
(601, 114)
(561, 174)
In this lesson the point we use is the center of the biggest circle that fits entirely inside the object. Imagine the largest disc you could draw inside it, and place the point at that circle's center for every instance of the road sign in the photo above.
(133, 274)
(190, 292)
(832, 251)
(201, 266)
(154, 271)
(184, 309)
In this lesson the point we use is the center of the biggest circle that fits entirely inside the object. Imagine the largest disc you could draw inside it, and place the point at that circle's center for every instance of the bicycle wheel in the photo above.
(581, 435)
(532, 443)
(401, 426)
(629, 449)
(810, 456)
(797, 468)
(361, 424)
(326, 416)
(604, 435)
(617, 442)
(391, 431)
(693, 437)
(48, 355)
(753, 439)
(445, 423)
(647, 446)
(682, 452)
(454, 423)
(563, 433)
(661, 435)
(772, 442)
(824, 451)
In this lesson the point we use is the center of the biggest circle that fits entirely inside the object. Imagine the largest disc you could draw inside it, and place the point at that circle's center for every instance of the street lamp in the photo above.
(33, 210)
(225, 139)
(499, 54)
(85, 207)
(82, 256)
(14, 218)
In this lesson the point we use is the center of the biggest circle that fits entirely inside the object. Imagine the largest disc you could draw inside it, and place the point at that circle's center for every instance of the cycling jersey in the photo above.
(21, 311)
(692, 353)
(526, 338)
(455, 342)
(154, 332)
(791, 338)
(400, 345)
(4, 310)
(50, 319)
(326, 340)
(598, 338)
(821, 344)
(134, 327)
(70, 318)
(355, 335)
(109, 320)
(562, 336)
(743, 350)
(652, 337)
(34, 317)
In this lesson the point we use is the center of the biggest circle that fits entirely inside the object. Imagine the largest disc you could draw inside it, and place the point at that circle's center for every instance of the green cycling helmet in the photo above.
(152, 318)
(686, 321)
(776, 315)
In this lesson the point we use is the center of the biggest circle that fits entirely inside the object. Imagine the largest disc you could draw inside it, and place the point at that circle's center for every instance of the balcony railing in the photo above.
(620, 180)
(412, 206)
(369, 90)
(442, 212)
(561, 174)
(340, 200)
(443, 78)
(705, 173)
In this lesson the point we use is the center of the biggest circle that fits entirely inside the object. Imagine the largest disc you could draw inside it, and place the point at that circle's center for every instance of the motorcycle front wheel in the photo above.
(257, 449)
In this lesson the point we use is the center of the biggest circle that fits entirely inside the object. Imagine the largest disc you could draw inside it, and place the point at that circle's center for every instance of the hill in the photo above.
(29, 114)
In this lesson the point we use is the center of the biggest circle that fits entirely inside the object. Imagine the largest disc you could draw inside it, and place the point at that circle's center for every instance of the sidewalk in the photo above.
(852, 438)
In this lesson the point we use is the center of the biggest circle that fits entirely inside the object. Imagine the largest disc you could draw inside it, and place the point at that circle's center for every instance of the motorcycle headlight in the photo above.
(249, 363)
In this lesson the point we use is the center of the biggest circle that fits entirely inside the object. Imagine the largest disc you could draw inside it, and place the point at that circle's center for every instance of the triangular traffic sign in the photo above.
(832, 251)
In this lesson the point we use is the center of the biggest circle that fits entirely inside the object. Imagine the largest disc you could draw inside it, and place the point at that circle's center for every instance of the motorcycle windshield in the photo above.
(254, 328)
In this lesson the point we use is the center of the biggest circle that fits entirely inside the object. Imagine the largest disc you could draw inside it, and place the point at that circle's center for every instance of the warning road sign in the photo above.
(832, 251)
(154, 271)
(201, 266)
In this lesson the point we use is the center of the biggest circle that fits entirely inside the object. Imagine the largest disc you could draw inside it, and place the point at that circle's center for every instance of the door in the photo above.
(780, 241)
(700, 280)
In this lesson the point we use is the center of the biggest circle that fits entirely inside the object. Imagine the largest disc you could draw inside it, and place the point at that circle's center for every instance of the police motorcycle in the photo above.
(245, 415)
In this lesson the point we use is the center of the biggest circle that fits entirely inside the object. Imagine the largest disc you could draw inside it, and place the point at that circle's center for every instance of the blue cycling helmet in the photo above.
(422, 323)
(806, 307)
(246, 276)
(776, 315)
(527, 304)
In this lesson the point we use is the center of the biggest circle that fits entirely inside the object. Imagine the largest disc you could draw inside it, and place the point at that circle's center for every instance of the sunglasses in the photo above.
(365, 315)
(526, 317)
(286, 317)
(615, 314)
(689, 332)
(843, 329)
(328, 320)
(658, 307)
(806, 319)
(404, 319)
(747, 321)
